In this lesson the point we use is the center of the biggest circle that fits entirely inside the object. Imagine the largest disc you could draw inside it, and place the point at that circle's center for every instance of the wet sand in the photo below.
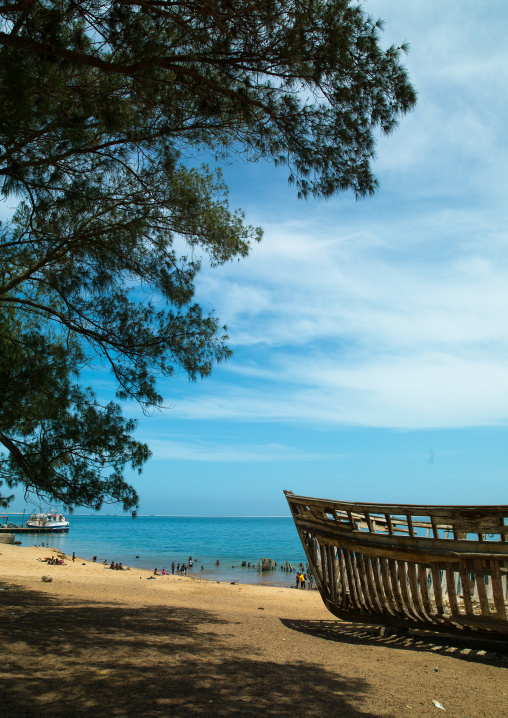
(97, 642)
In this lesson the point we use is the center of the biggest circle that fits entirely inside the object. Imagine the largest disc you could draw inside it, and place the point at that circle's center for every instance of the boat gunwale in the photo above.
(401, 509)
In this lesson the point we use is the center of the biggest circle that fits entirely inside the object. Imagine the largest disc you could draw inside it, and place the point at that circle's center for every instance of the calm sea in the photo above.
(159, 540)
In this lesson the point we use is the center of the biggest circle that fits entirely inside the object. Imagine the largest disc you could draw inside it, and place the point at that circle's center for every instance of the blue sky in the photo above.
(370, 338)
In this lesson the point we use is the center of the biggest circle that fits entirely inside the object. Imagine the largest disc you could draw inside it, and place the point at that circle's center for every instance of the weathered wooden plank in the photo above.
(413, 509)
(385, 601)
(375, 590)
(444, 591)
(346, 591)
(353, 593)
(451, 585)
(404, 586)
(332, 573)
(329, 577)
(423, 581)
(324, 572)
(317, 569)
(392, 568)
(400, 527)
(466, 589)
(418, 544)
(357, 564)
(436, 586)
(497, 590)
(385, 576)
(491, 623)
(480, 585)
(369, 522)
(389, 523)
(363, 576)
(338, 576)
(415, 593)
(358, 583)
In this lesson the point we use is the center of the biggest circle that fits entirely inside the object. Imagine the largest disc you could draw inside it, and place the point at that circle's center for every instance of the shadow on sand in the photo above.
(69, 658)
(469, 649)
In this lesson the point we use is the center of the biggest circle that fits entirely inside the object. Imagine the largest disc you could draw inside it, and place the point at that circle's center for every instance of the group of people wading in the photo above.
(301, 580)
(179, 569)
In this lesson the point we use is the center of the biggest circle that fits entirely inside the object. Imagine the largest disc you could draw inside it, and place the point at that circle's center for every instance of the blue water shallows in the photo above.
(159, 540)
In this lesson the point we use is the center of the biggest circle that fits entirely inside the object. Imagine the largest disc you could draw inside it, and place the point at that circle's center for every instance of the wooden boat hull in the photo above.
(431, 567)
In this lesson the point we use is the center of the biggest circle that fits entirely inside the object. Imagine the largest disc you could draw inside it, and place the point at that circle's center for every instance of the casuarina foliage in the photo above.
(105, 107)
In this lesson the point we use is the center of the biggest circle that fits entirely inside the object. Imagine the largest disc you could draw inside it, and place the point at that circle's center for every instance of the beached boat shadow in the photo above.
(64, 657)
(469, 649)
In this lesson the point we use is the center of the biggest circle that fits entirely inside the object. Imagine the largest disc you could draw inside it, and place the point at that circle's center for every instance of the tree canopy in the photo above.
(105, 107)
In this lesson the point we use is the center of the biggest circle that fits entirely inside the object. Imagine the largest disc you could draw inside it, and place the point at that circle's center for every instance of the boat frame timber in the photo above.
(438, 568)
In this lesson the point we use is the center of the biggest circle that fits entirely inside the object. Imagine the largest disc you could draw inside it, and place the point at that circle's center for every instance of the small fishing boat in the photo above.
(439, 568)
(49, 521)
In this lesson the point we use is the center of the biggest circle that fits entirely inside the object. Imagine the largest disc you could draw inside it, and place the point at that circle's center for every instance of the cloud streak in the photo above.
(201, 451)
(391, 312)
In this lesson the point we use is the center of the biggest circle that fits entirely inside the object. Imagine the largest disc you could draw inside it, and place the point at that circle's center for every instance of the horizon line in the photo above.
(192, 516)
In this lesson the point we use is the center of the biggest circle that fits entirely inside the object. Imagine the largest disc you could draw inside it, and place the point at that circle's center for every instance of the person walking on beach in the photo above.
(173, 568)
(302, 580)
(73, 555)
(297, 580)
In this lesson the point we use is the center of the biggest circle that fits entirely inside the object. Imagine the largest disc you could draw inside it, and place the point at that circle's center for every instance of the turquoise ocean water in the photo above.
(159, 540)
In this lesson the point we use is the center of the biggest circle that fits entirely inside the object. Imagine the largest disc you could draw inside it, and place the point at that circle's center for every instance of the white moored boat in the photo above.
(50, 521)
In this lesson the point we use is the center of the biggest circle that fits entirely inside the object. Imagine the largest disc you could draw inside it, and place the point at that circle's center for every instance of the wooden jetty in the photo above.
(408, 566)
(26, 530)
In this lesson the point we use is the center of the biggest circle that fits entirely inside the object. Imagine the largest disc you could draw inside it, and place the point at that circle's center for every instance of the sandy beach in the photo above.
(97, 642)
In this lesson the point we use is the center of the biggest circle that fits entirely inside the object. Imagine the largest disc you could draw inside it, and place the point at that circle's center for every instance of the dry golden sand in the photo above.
(96, 642)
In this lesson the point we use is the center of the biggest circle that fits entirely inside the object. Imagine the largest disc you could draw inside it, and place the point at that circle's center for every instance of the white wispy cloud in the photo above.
(168, 449)
(392, 313)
